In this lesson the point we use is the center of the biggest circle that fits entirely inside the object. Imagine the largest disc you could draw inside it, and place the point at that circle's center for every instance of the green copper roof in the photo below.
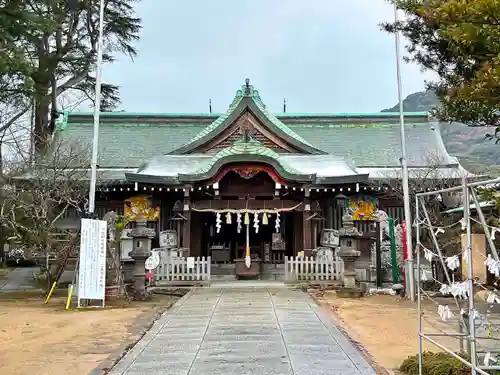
(214, 125)
(247, 147)
(247, 91)
(130, 139)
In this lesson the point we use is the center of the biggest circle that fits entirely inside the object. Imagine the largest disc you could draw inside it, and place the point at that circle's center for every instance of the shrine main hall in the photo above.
(250, 177)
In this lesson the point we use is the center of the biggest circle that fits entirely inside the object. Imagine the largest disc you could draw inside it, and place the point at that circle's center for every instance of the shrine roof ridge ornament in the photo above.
(247, 90)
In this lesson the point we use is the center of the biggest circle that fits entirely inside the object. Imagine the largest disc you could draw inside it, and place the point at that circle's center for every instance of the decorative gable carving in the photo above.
(248, 126)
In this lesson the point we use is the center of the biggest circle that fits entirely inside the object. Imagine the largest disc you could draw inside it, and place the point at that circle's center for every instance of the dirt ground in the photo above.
(4, 272)
(387, 326)
(47, 340)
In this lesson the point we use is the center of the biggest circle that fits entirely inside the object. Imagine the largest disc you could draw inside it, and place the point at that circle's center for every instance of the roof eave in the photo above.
(151, 179)
(357, 178)
(247, 158)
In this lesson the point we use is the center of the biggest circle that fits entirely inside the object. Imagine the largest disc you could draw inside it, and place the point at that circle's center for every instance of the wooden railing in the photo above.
(183, 270)
(313, 269)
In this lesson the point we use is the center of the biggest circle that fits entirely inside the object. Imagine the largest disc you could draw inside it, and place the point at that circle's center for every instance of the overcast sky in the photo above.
(322, 55)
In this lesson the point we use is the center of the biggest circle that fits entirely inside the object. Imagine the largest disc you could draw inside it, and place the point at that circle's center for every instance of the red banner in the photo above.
(405, 244)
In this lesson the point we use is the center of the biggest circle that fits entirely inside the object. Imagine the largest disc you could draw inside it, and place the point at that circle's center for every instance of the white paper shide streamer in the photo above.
(489, 359)
(493, 233)
(453, 263)
(423, 276)
(438, 230)
(238, 222)
(428, 255)
(492, 265)
(463, 225)
(218, 222)
(456, 289)
(256, 222)
(492, 298)
(444, 313)
(277, 222)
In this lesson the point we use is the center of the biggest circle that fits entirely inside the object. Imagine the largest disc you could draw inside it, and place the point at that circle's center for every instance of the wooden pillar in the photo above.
(298, 232)
(329, 213)
(186, 229)
(307, 227)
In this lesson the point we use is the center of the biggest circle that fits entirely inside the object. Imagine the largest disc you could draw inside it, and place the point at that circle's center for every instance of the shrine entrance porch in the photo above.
(268, 241)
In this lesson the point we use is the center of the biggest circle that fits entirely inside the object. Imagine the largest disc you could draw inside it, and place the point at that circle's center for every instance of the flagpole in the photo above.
(404, 165)
(97, 110)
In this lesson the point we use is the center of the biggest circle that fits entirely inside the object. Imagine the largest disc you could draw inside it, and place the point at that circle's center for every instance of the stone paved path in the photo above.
(20, 279)
(244, 331)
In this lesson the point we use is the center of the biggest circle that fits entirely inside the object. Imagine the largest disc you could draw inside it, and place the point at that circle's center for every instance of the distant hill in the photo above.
(475, 153)
(417, 102)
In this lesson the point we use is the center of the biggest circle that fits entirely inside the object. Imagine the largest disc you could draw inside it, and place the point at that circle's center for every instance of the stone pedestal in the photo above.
(141, 235)
(349, 257)
(349, 242)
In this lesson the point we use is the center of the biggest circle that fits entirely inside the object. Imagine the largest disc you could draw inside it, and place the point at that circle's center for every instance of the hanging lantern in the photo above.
(264, 219)
(228, 218)
(247, 218)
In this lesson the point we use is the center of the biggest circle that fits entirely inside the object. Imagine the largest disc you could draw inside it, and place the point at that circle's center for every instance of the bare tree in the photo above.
(432, 177)
(36, 197)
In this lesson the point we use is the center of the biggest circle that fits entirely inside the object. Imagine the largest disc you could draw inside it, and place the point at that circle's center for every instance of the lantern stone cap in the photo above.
(141, 231)
(349, 253)
(348, 229)
(140, 253)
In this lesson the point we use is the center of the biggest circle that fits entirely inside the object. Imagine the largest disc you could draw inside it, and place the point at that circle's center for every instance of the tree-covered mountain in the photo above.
(417, 102)
(469, 144)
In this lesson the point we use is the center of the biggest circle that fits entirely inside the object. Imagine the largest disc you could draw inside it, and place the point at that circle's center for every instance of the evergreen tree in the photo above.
(460, 41)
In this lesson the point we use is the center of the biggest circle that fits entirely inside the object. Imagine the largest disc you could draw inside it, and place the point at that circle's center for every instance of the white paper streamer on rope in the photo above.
(277, 223)
(493, 233)
(238, 222)
(492, 265)
(476, 315)
(218, 222)
(453, 263)
(445, 313)
(462, 223)
(428, 255)
(456, 289)
(423, 276)
(438, 230)
(256, 222)
(465, 257)
(489, 359)
(492, 298)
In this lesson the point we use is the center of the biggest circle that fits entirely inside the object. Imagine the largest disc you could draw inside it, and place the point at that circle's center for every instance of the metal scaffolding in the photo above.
(468, 318)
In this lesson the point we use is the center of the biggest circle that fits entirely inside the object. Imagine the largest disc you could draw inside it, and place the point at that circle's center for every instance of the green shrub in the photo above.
(435, 364)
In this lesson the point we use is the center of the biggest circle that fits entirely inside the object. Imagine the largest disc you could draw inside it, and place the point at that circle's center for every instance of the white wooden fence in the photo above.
(313, 269)
(179, 270)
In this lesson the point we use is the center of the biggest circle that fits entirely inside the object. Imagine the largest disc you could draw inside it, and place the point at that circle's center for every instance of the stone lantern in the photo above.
(342, 202)
(142, 236)
(349, 243)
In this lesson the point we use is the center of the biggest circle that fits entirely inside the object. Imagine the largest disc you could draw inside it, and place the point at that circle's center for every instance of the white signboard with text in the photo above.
(92, 269)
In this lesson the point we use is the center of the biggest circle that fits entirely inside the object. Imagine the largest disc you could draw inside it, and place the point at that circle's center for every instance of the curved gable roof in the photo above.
(247, 98)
